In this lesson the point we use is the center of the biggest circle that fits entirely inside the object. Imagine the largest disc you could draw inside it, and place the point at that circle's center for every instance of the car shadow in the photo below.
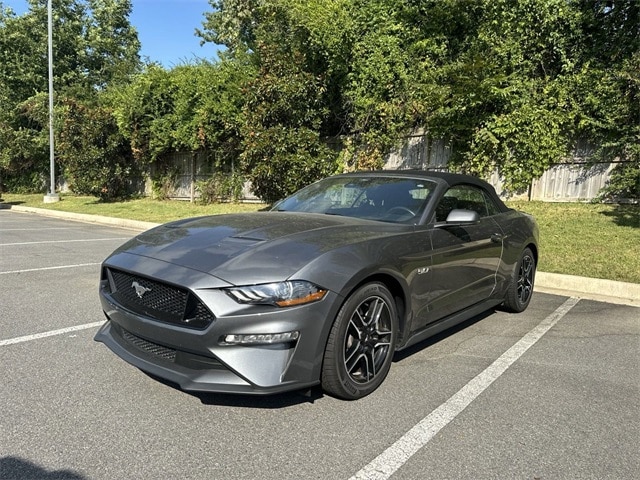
(278, 400)
(274, 401)
(19, 468)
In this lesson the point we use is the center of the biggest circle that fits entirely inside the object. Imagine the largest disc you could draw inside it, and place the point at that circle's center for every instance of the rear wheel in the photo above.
(521, 289)
(361, 343)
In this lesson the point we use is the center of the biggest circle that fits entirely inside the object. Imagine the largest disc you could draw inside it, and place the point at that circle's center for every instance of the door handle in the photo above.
(497, 238)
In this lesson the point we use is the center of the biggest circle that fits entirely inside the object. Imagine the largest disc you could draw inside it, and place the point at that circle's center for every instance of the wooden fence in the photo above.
(564, 182)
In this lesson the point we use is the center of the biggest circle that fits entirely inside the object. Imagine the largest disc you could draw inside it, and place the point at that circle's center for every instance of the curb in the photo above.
(598, 289)
(83, 217)
(609, 291)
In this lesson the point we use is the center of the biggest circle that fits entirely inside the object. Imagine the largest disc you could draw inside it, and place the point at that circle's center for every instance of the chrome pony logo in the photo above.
(140, 289)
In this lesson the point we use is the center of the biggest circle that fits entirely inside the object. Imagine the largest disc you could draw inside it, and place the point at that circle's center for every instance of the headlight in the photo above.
(282, 294)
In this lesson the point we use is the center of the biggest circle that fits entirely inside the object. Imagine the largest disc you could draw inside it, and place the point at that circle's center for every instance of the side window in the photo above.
(467, 197)
(492, 208)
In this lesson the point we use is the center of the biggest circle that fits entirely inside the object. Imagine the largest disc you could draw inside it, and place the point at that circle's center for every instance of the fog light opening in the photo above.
(260, 338)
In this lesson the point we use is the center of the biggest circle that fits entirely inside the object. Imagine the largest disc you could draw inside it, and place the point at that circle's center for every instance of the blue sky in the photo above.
(166, 29)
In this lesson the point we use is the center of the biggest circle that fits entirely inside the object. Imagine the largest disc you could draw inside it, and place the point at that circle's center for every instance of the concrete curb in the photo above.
(569, 285)
(589, 288)
(83, 217)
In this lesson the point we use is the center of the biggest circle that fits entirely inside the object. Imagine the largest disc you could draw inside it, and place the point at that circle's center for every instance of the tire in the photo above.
(520, 290)
(361, 343)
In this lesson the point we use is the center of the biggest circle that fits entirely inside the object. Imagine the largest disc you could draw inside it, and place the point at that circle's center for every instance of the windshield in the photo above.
(390, 199)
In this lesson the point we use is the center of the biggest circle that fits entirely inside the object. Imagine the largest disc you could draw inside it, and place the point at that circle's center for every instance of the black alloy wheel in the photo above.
(521, 289)
(361, 343)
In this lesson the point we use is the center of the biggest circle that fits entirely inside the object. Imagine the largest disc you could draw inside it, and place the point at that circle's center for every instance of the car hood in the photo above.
(253, 247)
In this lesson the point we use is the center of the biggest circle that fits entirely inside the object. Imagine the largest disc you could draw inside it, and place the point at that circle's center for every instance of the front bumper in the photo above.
(198, 360)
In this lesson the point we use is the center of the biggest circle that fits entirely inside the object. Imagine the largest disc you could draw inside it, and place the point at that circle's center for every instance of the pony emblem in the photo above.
(140, 289)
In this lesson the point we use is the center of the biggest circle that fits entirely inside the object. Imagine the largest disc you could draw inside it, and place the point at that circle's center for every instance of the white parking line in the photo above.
(50, 268)
(389, 461)
(51, 333)
(64, 241)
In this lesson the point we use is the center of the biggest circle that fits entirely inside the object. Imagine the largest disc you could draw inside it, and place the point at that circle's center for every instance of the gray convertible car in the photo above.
(322, 289)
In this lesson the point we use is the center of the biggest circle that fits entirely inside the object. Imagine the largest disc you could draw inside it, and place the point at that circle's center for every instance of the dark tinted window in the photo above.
(466, 197)
(492, 208)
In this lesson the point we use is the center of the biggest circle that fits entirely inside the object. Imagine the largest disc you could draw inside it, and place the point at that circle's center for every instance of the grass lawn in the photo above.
(589, 240)
(145, 209)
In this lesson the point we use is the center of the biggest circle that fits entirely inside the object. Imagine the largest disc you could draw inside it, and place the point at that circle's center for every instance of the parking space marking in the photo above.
(50, 268)
(389, 461)
(51, 333)
(63, 241)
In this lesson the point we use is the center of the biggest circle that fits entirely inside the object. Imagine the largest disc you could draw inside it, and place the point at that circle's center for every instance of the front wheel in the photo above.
(521, 288)
(361, 343)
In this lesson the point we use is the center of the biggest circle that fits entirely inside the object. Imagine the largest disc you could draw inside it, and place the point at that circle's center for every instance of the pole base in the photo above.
(51, 198)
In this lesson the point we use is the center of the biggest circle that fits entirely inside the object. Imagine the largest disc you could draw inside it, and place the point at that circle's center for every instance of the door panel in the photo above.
(463, 269)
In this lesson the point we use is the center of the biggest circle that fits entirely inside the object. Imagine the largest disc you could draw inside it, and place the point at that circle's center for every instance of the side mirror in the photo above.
(458, 218)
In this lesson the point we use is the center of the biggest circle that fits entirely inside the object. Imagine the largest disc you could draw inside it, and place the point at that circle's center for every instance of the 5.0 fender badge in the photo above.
(140, 289)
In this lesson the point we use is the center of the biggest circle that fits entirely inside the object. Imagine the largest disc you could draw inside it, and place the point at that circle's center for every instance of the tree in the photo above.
(94, 45)
(189, 108)
(288, 108)
(525, 81)
(379, 82)
(231, 23)
(95, 158)
(293, 105)
(142, 110)
(208, 107)
(512, 86)
(112, 43)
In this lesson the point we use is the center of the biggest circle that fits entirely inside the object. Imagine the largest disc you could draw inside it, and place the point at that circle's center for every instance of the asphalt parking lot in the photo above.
(553, 393)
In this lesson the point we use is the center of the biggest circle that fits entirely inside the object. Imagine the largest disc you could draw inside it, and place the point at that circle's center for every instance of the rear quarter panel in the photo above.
(520, 230)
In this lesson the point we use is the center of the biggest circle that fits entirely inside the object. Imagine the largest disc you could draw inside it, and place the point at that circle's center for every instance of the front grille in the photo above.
(158, 300)
(149, 347)
(154, 295)
(185, 359)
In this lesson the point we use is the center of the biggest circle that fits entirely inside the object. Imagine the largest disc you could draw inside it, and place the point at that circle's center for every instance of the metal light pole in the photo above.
(52, 196)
